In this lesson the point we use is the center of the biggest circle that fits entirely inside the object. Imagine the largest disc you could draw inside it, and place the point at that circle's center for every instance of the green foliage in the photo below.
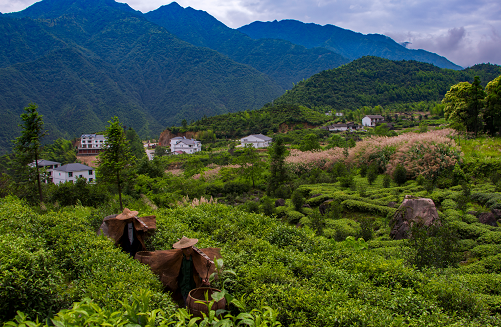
(400, 175)
(115, 162)
(278, 173)
(27, 149)
(371, 81)
(60, 151)
(340, 229)
(309, 143)
(372, 173)
(387, 181)
(435, 245)
(135, 143)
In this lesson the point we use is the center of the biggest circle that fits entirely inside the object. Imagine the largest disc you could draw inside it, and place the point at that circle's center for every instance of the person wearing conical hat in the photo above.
(185, 279)
(128, 230)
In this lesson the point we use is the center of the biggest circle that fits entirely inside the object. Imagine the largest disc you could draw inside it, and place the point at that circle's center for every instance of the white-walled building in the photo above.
(257, 140)
(372, 120)
(180, 145)
(71, 172)
(91, 144)
(49, 167)
(342, 127)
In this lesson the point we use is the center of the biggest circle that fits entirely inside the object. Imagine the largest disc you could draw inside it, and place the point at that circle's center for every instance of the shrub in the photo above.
(297, 199)
(386, 181)
(372, 173)
(340, 229)
(400, 175)
(347, 181)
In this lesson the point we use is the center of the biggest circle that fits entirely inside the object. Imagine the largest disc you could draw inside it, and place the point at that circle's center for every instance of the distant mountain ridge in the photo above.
(99, 59)
(347, 43)
(283, 61)
(85, 61)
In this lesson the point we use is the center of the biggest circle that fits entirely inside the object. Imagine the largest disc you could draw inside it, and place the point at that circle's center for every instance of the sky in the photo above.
(467, 32)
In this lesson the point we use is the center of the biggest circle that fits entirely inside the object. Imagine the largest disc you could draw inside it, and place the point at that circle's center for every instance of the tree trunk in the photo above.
(38, 177)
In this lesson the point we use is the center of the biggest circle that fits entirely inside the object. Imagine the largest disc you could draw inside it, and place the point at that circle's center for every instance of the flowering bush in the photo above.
(426, 154)
(300, 162)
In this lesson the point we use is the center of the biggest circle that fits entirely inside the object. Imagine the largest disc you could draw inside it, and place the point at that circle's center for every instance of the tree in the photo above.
(278, 173)
(136, 145)
(492, 111)
(115, 162)
(61, 151)
(251, 164)
(463, 105)
(309, 143)
(27, 147)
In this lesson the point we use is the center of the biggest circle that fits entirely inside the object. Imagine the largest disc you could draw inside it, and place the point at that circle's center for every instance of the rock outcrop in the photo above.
(413, 210)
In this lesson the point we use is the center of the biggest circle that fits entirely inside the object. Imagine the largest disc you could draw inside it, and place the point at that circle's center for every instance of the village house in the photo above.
(341, 127)
(72, 171)
(372, 120)
(179, 145)
(49, 166)
(257, 140)
(91, 144)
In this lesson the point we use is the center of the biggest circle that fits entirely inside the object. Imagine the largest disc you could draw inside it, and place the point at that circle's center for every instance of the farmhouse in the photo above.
(342, 127)
(72, 171)
(179, 145)
(91, 144)
(372, 120)
(49, 166)
(257, 140)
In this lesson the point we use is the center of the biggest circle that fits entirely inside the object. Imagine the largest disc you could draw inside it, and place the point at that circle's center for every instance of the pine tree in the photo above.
(27, 148)
(116, 162)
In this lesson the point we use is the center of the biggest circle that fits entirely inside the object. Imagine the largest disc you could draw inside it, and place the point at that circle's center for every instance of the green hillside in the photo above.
(349, 44)
(372, 81)
(265, 120)
(88, 61)
(285, 62)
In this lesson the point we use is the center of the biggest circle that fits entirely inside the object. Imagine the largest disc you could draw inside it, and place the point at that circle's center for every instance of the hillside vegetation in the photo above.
(347, 43)
(372, 81)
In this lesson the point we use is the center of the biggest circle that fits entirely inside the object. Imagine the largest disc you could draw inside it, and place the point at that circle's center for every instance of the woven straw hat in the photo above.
(126, 214)
(185, 242)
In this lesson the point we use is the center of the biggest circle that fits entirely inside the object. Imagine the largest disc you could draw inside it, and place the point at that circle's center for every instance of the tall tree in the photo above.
(27, 147)
(492, 111)
(463, 105)
(278, 174)
(116, 162)
(475, 100)
(251, 164)
(136, 145)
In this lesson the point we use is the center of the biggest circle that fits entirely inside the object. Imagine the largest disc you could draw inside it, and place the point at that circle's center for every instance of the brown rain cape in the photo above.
(114, 228)
(167, 264)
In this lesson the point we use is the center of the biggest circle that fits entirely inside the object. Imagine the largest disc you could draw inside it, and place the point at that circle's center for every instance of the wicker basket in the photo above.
(198, 295)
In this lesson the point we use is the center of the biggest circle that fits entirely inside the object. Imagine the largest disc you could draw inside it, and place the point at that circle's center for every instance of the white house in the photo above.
(72, 171)
(372, 120)
(49, 166)
(257, 140)
(180, 145)
(342, 127)
(91, 144)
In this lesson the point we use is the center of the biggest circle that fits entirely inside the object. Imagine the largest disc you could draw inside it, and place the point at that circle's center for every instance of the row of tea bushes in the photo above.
(315, 281)
(50, 260)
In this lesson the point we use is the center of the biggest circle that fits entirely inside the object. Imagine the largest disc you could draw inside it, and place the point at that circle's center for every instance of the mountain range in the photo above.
(85, 61)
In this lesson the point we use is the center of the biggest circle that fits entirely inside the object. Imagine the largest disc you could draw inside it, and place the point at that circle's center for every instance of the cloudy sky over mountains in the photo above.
(466, 32)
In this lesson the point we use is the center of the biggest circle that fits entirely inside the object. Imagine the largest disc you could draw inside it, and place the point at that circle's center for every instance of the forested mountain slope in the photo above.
(83, 62)
(285, 62)
(371, 81)
(347, 43)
